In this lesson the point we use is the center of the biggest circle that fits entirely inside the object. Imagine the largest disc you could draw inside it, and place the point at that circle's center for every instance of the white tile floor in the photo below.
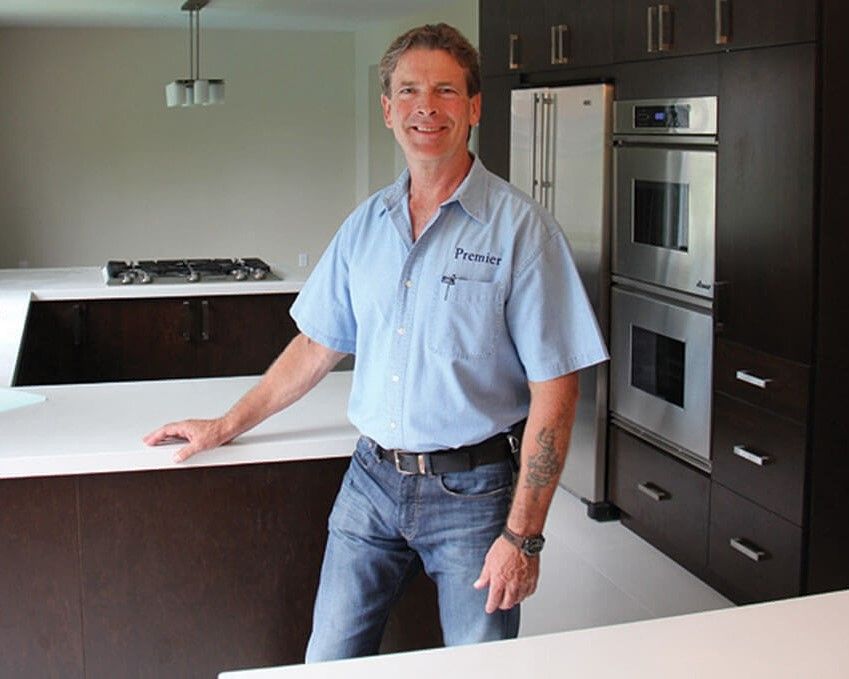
(595, 573)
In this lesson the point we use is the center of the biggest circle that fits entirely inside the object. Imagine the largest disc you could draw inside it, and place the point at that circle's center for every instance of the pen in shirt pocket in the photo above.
(449, 281)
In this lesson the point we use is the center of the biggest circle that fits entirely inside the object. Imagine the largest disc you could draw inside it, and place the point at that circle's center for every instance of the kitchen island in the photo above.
(119, 562)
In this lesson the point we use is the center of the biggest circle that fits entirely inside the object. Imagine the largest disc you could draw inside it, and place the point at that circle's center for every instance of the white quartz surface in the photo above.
(84, 429)
(20, 286)
(804, 637)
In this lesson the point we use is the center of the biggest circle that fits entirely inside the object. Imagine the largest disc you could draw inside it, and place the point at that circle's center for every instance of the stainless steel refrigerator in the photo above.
(560, 153)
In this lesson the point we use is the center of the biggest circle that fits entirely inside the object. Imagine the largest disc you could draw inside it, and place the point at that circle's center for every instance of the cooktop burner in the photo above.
(187, 271)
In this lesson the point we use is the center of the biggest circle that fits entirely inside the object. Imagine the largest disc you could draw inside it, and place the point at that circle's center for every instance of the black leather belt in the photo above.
(502, 446)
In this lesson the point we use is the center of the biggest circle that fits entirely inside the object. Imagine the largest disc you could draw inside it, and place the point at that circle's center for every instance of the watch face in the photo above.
(533, 545)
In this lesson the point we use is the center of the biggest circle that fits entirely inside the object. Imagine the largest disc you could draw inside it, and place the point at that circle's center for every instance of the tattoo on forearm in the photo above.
(544, 464)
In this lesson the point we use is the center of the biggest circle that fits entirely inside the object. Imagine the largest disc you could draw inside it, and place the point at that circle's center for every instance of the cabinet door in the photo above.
(758, 23)
(139, 339)
(765, 200)
(575, 33)
(502, 34)
(52, 347)
(645, 29)
(242, 334)
(494, 136)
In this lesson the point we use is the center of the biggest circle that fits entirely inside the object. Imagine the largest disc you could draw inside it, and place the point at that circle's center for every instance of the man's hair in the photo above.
(433, 37)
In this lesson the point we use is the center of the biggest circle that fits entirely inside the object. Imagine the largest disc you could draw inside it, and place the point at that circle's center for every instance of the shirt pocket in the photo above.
(466, 317)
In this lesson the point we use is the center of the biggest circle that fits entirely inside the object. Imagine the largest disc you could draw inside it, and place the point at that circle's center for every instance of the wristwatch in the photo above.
(530, 545)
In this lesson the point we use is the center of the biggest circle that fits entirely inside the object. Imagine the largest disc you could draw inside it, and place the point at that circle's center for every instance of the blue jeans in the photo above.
(383, 528)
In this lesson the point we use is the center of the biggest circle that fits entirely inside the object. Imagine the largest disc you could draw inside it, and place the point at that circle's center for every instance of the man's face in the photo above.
(429, 109)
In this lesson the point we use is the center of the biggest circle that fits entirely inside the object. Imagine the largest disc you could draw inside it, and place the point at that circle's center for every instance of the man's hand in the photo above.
(510, 574)
(200, 434)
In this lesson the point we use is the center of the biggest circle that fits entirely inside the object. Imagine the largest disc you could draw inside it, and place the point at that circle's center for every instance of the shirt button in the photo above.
(408, 284)
(392, 425)
(401, 330)
(395, 378)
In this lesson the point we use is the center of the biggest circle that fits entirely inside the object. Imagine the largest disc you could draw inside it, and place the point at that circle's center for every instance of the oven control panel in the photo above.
(677, 115)
(689, 116)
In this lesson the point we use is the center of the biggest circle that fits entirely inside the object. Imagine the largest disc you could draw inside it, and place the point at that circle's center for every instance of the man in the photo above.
(459, 297)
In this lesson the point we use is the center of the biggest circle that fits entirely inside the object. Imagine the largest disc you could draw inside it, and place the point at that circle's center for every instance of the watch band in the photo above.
(529, 545)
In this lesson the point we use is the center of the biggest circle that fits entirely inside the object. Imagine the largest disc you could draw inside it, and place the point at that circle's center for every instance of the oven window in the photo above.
(657, 365)
(661, 214)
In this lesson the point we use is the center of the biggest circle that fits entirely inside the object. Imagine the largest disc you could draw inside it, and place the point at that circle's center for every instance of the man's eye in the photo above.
(405, 90)
(447, 90)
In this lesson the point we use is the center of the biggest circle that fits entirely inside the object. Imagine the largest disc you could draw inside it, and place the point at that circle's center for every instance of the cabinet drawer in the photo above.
(754, 555)
(759, 455)
(761, 379)
(663, 500)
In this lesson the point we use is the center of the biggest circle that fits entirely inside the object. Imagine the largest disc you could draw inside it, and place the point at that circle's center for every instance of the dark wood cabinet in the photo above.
(662, 499)
(759, 23)
(528, 37)
(644, 29)
(173, 573)
(765, 211)
(162, 338)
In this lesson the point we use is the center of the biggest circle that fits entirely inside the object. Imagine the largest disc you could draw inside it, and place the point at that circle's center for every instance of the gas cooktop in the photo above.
(144, 272)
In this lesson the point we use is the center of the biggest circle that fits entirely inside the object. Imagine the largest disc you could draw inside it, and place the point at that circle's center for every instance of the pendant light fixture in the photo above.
(194, 91)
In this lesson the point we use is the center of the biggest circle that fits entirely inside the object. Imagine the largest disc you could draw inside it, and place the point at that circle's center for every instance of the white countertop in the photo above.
(18, 287)
(97, 428)
(804, 637)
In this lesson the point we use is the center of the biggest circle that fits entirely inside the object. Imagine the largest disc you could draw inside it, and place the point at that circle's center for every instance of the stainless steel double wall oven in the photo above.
(664, 186)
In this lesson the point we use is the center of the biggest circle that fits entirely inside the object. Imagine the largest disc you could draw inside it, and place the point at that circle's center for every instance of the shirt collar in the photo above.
(470, 194)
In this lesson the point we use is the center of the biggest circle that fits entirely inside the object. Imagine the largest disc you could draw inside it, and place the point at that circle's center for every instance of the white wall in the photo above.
(94, 167)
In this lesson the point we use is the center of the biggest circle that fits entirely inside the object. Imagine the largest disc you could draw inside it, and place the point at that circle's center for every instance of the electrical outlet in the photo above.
(303, 260)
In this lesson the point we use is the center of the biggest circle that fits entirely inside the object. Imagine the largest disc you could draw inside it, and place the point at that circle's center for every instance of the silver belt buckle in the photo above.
(420, 463)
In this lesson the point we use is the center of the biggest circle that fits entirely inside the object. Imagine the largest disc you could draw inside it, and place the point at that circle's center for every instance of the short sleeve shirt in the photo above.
(448, 330)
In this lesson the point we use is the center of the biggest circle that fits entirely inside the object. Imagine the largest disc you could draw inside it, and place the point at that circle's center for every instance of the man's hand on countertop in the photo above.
(200, 434)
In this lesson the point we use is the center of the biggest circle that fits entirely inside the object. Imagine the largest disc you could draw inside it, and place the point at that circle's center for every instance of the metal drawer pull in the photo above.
(651, 17)
(665, 36)
(204, 325)
(754, 380)
(514, 43)
(187, 331)
(754, 458)
(748, 549)
(654, 492)
(723, 22)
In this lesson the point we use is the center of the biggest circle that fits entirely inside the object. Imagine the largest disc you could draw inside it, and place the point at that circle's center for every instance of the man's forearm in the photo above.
(301, 365)
(543, 451)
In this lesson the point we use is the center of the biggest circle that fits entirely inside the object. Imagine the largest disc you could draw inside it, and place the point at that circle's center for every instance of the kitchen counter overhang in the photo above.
(98, 428)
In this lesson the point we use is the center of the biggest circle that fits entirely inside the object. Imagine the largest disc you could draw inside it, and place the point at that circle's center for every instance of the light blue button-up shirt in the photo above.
(448, 330)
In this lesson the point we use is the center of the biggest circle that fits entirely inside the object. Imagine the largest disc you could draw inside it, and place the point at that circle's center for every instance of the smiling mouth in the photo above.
(428, 129)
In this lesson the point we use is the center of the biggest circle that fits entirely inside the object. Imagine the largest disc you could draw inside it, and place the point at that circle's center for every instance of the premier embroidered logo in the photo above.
(488, 258)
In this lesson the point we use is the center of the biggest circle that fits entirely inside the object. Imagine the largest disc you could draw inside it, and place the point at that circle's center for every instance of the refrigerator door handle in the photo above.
(535, 151)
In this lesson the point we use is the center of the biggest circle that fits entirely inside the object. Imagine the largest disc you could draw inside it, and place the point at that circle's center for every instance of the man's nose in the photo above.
(426, 104)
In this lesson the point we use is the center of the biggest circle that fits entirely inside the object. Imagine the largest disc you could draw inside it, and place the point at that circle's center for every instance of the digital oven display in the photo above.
(677, 115)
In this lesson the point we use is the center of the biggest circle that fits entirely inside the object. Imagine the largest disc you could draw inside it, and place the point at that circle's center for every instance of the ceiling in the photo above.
(328, 15)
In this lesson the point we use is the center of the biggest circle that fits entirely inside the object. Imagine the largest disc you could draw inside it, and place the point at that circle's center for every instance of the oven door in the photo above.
(661, 370)
(665, 216)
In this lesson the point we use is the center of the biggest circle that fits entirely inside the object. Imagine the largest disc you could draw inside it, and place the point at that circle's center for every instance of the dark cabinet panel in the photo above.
(695, 76)
(645, 29)
(504, 34)
(662, 499)
(147, 339)
(760, 456)
(766, 381)
(754, 555)
(765, 181)
(40, 609)
(759, 23)
(494, 133)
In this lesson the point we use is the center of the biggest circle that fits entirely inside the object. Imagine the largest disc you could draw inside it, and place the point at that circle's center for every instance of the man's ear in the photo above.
(386, 105)
(475, 113)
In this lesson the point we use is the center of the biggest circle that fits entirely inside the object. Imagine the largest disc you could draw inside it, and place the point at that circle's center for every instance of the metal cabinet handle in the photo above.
(565, 51)
(204, 321)
(79, 324)
(187, 328)
(723, 22)
(754, 380)
(754, 458)
(656, 493)
(665, 21)
(514, 44)
(555, 57)
(748, 549)
(651, 18)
